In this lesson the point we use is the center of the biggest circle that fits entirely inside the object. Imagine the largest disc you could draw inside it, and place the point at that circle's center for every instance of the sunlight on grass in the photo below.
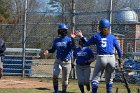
(72, 88)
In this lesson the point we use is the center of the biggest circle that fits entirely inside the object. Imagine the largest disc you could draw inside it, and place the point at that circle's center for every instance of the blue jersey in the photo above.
(82, 55)
(105, 44)
(64, 48)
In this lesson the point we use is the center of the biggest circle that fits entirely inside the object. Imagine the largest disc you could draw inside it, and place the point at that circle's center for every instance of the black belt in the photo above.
(106, 54)
(83, 64)
(63, 59)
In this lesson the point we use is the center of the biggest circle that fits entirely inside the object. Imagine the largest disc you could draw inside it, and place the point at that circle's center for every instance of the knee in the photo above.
(86, 82)
(81, 83)
(65, 82)
(55, 79)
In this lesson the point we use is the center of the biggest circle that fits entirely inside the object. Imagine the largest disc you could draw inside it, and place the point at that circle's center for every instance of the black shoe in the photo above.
(88, 87)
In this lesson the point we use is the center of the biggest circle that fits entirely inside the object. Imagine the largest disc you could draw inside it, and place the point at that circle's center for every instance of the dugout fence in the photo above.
(77, 14)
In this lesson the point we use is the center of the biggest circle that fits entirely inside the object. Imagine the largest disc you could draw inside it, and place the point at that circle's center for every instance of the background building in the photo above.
(127, 26)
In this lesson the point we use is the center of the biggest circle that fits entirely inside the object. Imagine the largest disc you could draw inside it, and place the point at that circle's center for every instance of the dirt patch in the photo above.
(23, 83)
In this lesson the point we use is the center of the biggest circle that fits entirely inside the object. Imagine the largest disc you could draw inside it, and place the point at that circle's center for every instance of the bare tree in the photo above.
(18, 6)
(4, 10)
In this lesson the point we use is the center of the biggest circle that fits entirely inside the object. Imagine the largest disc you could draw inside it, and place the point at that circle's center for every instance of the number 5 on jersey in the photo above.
(104, 43)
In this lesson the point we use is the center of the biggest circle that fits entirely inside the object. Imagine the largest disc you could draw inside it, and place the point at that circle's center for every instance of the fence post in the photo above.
(73, 15)
(24, 38)
(110, 15)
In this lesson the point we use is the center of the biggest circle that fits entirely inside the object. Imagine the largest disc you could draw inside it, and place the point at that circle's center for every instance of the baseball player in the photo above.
(2, 49)
(63, 46)
(105, 43)
(84, 56)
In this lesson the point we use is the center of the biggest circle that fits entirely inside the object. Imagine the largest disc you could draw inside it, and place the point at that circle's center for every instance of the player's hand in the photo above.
(120, 61)
(90, 61)
(46, 52)
(79, 33)
(73, 35)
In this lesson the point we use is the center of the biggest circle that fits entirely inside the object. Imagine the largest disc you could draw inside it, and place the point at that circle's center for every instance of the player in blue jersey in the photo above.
(2, 50)
(105, 43)
(63, 46)
(83, 56)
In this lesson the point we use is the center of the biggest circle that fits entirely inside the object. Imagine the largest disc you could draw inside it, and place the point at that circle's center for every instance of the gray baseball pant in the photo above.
(83, 74)
(65, 67)
(106, 63)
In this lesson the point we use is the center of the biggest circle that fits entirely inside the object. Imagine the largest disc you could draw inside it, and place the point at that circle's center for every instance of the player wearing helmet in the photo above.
(62, 30)
(84, 56)
(105, 43)
(63, 46)
(2, 50)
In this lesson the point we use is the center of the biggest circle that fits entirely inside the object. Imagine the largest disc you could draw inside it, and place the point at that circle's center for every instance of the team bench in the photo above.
(34, 52)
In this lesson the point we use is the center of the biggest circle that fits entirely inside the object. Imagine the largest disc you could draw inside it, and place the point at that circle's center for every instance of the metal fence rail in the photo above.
(41, 29)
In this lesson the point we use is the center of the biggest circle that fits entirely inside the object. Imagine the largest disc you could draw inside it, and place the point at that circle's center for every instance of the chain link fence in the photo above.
(78, 14)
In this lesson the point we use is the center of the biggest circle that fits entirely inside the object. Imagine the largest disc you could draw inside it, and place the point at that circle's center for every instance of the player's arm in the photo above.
(2, 46)
(73, 45)
(86, 42)
(52, 50)
(72, 42)
(73, 60)
(91, 60)
(117, 47)
(89, 42)
(91, 57)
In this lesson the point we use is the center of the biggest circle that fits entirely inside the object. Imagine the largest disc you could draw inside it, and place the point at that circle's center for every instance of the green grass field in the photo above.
(72, 88)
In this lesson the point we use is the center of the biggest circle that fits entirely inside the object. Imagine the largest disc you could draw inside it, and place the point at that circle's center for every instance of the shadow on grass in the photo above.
(49, 89)
(67, 92)
(42, 88)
